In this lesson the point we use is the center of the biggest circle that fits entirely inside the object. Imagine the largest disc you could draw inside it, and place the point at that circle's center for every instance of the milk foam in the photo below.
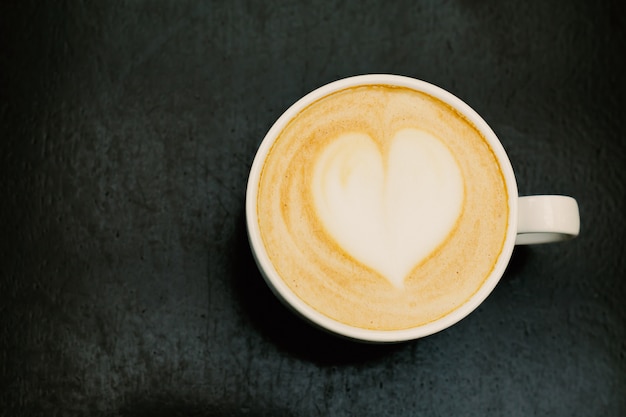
(393, 156)
(390, 211)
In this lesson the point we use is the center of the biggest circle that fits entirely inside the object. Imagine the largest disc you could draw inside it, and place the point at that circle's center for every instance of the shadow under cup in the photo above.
(283, 291)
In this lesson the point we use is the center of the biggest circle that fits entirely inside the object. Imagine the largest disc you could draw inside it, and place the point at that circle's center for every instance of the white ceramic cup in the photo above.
(532, 219)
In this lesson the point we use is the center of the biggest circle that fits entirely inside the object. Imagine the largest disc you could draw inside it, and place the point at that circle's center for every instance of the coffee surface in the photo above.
(382, 207)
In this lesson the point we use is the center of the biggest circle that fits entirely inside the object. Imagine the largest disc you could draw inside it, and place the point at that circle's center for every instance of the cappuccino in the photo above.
(382, 207)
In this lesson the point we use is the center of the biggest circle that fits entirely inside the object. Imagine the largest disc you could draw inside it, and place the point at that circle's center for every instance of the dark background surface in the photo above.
(127, 130)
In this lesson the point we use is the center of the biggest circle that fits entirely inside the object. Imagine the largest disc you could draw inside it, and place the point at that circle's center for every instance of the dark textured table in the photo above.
(127, 129)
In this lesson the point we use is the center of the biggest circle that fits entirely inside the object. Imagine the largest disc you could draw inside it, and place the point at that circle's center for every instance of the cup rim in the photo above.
(290, 299)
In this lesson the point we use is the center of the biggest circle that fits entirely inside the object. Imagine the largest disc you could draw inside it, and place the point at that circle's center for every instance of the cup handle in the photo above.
(546, 218)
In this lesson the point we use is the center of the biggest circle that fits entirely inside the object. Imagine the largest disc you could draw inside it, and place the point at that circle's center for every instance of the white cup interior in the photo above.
(285, 294)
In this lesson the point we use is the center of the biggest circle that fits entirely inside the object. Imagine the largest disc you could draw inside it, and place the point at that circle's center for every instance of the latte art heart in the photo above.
(390, 211)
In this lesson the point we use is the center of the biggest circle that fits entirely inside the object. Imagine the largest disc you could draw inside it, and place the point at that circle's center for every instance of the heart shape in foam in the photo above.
(388, 213)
